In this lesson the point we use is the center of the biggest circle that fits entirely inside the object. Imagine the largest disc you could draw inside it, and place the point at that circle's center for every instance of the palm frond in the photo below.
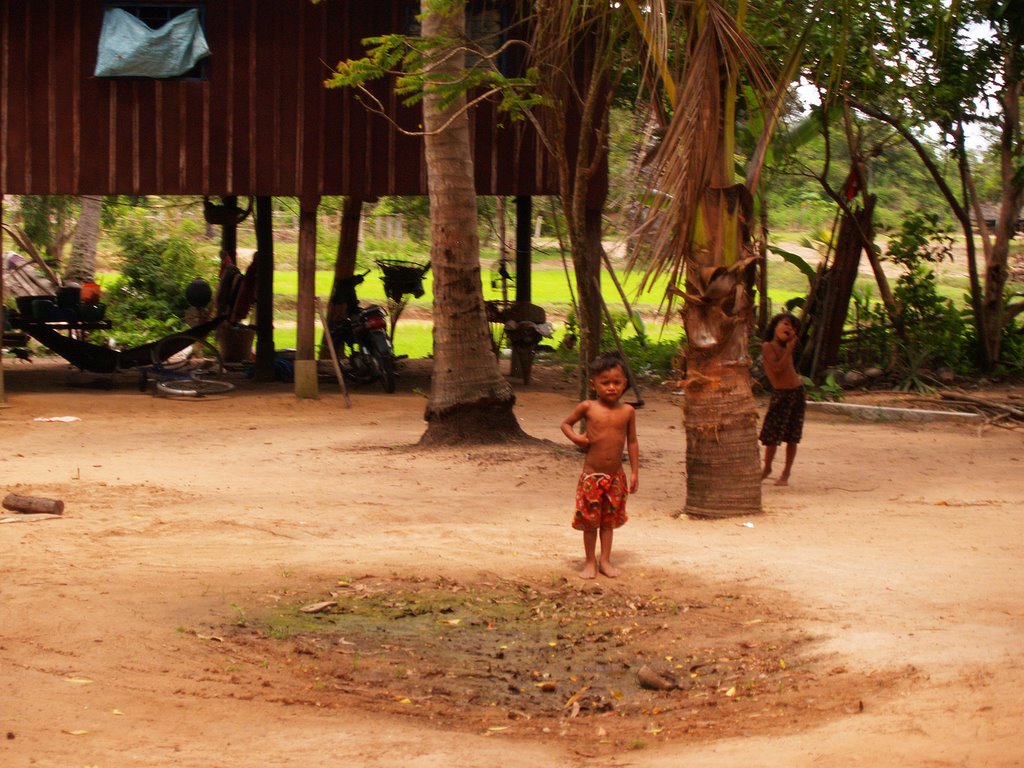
(691, 161)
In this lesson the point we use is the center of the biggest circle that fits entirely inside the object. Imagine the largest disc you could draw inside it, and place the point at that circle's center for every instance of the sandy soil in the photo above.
(871, 617)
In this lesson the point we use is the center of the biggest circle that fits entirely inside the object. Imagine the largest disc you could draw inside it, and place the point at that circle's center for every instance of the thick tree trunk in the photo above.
(344, 261)
(723, 468)
(722, 460)
(828, 335)
(81, 265)
(469, 400)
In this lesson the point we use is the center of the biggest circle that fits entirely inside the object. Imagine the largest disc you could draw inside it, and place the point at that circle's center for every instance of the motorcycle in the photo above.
(361, 338)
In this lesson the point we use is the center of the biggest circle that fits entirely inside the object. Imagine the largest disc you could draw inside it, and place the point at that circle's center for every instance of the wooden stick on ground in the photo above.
(333, 351)
(988, 405)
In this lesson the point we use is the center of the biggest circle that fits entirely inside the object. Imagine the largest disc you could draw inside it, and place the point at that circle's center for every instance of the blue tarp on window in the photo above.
(129, 48)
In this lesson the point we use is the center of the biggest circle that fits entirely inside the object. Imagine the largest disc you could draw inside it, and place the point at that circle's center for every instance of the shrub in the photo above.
(148, 299)
(934, 326)
(935, 329)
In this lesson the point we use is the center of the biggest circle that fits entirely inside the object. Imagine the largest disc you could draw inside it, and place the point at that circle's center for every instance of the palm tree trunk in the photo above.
(722, 460)
(81, 265)
(469, 400)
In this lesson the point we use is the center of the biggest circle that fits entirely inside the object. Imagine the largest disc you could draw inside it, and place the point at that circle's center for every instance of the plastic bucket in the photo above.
(90, 293)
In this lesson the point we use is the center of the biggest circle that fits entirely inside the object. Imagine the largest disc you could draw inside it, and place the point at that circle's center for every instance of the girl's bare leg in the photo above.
(589, 550)
(769, 454)
(606, 566)
(790, 455)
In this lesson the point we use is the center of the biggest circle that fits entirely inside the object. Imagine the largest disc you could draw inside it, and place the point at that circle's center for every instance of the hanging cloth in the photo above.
(130, 48)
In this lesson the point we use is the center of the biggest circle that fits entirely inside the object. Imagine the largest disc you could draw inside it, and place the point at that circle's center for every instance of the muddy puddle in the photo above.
(560, 659)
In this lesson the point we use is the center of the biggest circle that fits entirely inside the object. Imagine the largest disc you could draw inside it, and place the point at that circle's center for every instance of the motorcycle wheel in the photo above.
(359, 367)
(387, 372)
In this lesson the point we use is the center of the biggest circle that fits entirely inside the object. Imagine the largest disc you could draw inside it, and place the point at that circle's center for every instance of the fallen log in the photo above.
(33, 504)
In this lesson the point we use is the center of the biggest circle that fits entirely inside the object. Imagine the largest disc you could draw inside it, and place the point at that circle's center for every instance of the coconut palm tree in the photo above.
(469, 399)
(697, 233)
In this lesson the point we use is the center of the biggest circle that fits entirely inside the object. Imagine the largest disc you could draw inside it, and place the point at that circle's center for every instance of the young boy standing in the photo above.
(784, 421)
(602, 489)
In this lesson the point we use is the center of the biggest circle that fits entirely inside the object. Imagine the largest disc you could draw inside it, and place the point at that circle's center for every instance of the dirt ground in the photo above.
(872, 616)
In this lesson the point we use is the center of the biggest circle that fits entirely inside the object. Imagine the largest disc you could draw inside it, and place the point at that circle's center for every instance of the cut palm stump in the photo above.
(33, 504)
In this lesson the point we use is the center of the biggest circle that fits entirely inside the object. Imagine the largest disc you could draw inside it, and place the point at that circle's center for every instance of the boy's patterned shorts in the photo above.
(600, 501)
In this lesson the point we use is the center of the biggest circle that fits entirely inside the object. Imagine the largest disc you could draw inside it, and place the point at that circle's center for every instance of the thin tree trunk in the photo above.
(968, 192)
(469, 400)
(588, 278)
(81, 265)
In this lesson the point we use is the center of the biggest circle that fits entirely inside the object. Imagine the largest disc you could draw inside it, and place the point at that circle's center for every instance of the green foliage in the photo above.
(1011, 344)
(797, 261)
(405, 58)
(45, 219)
(650, 358)
(936, 332)
(915, 378)
(935, 328)
(828, 391)
(897, 178)
(872, 339)
(148, 299)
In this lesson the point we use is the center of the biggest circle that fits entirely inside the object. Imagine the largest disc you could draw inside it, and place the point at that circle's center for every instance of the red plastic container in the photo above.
(90, 293)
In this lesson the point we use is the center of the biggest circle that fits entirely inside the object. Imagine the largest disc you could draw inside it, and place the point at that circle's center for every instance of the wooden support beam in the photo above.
(305, 344)
(229, 232)
(524, 248)
(265, 352)
(3, 322)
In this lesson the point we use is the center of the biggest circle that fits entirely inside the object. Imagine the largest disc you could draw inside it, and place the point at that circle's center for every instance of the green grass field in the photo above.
(550, 289)
(414, 337)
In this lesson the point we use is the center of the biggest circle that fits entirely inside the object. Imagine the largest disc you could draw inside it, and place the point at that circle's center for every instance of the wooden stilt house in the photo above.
(235, 106)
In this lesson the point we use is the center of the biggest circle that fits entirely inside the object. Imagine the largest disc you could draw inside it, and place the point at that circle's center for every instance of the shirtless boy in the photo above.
(602, 489)
(784, 421)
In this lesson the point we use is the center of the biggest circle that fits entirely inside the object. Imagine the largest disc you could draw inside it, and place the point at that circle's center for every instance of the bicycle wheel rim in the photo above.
(193, 387)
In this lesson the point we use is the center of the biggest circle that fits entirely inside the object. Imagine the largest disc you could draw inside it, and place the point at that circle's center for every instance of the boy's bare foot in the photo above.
(589, 571)
(609, 570)
(766, 472)
(782, 481)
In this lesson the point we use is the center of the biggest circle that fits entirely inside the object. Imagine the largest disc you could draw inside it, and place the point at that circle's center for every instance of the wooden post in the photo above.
(229, 231)
(524, 281)
(524, 249)
(329, 343)
(3, 322)
(305, 357)
(265, 353)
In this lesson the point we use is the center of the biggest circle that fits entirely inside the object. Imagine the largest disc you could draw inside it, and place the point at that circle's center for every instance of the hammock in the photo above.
(97, 358)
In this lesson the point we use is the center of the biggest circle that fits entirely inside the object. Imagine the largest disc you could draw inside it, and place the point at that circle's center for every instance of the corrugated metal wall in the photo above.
(261, 123)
